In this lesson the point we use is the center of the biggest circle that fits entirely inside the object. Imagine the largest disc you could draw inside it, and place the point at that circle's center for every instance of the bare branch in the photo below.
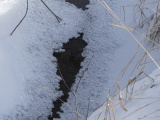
(21, 20)
(58, 18)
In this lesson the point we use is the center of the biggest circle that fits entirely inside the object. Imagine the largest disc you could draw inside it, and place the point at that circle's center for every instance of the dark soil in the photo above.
(79, 3)
(69, 65)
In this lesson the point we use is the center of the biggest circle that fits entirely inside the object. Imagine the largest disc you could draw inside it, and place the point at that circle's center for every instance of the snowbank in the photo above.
(141, 103)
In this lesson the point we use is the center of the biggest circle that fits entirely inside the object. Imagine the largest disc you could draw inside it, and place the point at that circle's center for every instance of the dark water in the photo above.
(79, 3)
(69, 65)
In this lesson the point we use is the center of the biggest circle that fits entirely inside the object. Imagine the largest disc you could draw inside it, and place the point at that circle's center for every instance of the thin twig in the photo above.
(63, 102)
(149, 114)
(69, 90)
(58, 18)
(21, 20)
(114, 15)
(64, 80)
(88, 107)
(83, 75)
(140, 108)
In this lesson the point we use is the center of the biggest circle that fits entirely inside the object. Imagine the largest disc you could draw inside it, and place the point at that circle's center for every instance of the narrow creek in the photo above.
(68, 65)
(79, 3)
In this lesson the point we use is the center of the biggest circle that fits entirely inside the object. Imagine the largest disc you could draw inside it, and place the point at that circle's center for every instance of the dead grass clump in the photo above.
(118, 96)
(148, 18)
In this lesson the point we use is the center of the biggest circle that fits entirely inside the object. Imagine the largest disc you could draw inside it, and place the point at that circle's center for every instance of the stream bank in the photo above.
(68, 66)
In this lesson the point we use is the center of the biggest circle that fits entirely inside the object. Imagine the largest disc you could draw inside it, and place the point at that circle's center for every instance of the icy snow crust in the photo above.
(27, 63)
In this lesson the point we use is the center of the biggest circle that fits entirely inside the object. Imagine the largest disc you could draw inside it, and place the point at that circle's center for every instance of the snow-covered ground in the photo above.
(142, 102)
(27, 63)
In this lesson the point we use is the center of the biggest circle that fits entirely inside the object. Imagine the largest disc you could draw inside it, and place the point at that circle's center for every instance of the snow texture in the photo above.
(143, 102)
(145, 90)
(27, 63)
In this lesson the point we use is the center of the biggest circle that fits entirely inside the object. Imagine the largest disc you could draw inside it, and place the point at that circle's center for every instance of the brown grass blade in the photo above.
(113, 112)
(107, 7)
(120, 98)
(63, 102)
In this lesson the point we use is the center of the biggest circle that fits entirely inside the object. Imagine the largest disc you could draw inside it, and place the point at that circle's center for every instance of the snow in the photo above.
(26, 56)
(6, 5)
(145, 90)
(9, 89)
(142, 104)
(26, 61)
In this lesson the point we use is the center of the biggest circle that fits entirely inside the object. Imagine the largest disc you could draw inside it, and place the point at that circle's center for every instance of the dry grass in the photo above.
(73, 93)
(152, 35)
(140, 66)
(151, 23)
